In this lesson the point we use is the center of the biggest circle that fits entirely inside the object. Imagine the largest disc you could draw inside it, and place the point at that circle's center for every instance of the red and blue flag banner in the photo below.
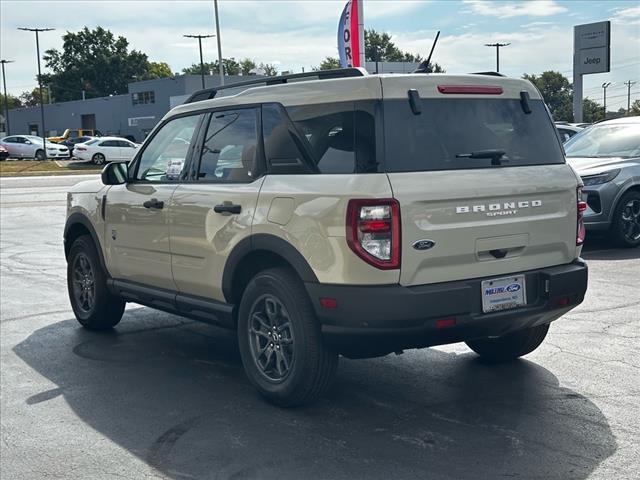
(349, 35)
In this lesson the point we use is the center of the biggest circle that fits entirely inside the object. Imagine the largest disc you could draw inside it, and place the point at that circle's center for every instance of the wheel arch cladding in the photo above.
(255, 253)
(76, 226)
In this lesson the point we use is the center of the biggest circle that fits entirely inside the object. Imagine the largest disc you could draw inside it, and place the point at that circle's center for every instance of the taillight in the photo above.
(470, 89)
(582, 206)
(82, 149)
(373, 231)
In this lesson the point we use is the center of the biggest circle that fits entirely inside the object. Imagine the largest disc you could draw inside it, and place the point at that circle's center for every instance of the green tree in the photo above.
(230, 66)
(269, 70)
(194, 69)
(557, 93)
(329, 63)
(95, 61)
(592, 111)
(158, 70)
(635, 108)
(12, 102)
(246, 66)
(32, 98)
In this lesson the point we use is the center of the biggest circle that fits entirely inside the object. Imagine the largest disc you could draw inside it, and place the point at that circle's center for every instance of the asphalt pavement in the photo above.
(165, 397)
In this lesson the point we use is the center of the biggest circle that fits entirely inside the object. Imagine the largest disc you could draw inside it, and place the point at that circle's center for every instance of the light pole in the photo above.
(497, 45)
(220, 65)
(604, 89)
(6, 99)
(38, 30)
(200, 37)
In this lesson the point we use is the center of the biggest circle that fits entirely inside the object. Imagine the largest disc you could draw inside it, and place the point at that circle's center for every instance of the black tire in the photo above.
(625, 228)
(93, 305)
(40, 155)
(98, 159)
(509, 346)
(311, 366)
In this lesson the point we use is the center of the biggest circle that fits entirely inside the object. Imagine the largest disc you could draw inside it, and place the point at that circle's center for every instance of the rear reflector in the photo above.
(470, 89)
(328, 303)
(581, 207)
(445, 322)
(562, 301)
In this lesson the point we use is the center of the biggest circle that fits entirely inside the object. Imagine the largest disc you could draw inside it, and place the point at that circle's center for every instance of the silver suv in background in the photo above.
(607, 157)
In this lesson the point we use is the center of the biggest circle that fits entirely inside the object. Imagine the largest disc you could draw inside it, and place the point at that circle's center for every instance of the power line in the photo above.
(200, 37)
(628, 84)
(497, 45)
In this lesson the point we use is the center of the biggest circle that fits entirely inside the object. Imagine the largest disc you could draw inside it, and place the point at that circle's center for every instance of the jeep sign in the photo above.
(591, 49)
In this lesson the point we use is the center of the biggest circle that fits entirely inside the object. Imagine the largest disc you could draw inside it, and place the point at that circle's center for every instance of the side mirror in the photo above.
(115, 173)
(28, 142)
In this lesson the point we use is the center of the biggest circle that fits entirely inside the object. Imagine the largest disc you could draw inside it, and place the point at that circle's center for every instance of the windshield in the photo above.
(452, 134)
(606, 141)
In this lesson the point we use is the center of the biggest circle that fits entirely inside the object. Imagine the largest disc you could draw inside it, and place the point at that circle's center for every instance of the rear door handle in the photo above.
(153, 203)
(227, 208)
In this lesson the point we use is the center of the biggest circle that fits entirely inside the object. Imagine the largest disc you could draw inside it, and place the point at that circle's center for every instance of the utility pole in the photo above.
(37, 31)
(220, 65)
(604, 88)
(6, 98)
(497, 45)
(628, 84)
(200, 37)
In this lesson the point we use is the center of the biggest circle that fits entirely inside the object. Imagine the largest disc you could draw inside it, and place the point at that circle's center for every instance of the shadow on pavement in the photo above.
(173, 393)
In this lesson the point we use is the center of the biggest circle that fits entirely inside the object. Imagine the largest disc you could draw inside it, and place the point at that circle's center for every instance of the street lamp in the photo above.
(200, 37)
(6, 99)
(604, 89)
(38, 30)
(497, 45)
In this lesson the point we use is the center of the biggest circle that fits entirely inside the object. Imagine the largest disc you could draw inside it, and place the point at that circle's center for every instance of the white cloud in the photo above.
(628, 16)
(532, 8)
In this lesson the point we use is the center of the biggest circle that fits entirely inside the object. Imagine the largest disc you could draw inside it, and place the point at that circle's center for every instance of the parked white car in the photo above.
(30, 146)
(106, 149)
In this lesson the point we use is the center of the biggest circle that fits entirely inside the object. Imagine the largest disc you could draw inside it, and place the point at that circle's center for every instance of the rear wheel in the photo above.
(509, 346)
(281, 345)
(40, 155)
(93, 305)
(626, 221)
(98, 159)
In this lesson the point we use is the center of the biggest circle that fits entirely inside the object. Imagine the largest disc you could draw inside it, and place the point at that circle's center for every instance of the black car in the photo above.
(70, 143)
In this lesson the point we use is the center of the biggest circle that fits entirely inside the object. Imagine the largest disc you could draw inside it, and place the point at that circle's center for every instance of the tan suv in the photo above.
(339, 213)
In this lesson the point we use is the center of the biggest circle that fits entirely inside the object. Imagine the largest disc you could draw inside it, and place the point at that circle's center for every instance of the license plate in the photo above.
(503, 293)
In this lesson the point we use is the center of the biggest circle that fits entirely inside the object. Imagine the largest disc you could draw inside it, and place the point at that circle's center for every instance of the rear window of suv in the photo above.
(448, 131)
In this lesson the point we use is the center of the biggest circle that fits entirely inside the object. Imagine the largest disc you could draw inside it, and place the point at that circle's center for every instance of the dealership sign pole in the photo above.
(591, 54)
(351, 35)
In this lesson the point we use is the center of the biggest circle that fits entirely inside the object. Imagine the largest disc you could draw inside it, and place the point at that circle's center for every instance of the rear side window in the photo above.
(448, 131)
(340, 137)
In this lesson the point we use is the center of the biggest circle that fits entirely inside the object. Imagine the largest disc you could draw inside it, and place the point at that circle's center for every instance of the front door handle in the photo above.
(227, 208)
(153, 203)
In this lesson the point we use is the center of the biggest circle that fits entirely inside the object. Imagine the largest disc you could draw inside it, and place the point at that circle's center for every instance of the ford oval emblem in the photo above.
(514, 287)
(425, 244)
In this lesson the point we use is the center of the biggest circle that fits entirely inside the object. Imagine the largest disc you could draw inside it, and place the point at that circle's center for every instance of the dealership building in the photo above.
(138, 111)
(134, 113)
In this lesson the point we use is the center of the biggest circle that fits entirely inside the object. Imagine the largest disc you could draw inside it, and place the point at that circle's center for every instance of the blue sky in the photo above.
(297, 34)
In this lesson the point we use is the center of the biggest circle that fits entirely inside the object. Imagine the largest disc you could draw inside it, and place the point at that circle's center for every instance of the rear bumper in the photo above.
(374, 320)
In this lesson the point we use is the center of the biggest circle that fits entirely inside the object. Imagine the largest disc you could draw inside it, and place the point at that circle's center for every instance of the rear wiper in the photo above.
(494, 155)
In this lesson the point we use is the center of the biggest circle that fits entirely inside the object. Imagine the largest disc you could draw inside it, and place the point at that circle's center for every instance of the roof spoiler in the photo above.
(491, 74)
(209, 93)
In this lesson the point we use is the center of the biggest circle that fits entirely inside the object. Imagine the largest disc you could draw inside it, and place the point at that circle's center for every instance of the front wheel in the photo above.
(626, 221)
(281, 346)
(509, 346)
(93, 305)
(98, 159)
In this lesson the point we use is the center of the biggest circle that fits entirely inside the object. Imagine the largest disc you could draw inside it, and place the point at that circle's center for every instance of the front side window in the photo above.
(165, 155)
(229, 150)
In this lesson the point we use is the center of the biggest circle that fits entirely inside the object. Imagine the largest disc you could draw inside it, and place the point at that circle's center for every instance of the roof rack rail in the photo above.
(492, 74)
(209, 93)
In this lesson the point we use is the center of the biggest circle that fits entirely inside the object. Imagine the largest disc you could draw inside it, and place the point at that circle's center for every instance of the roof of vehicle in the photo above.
(366, 87)
(622, 120)
(110, 138)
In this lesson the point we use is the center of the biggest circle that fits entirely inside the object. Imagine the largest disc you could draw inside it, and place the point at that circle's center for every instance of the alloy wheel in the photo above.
(271, 338)
(84, 290)
(631, 220)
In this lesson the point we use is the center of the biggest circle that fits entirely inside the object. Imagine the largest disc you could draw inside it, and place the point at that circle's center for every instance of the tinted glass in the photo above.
(91, 142)
(448, 130)
(229, 150)
(340, 137)
(606, 141)
(10, 140)
(164, 156)
(281, 144)
(109, 143)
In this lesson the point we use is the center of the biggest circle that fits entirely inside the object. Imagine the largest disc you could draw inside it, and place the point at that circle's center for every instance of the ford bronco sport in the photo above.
(348, 214)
